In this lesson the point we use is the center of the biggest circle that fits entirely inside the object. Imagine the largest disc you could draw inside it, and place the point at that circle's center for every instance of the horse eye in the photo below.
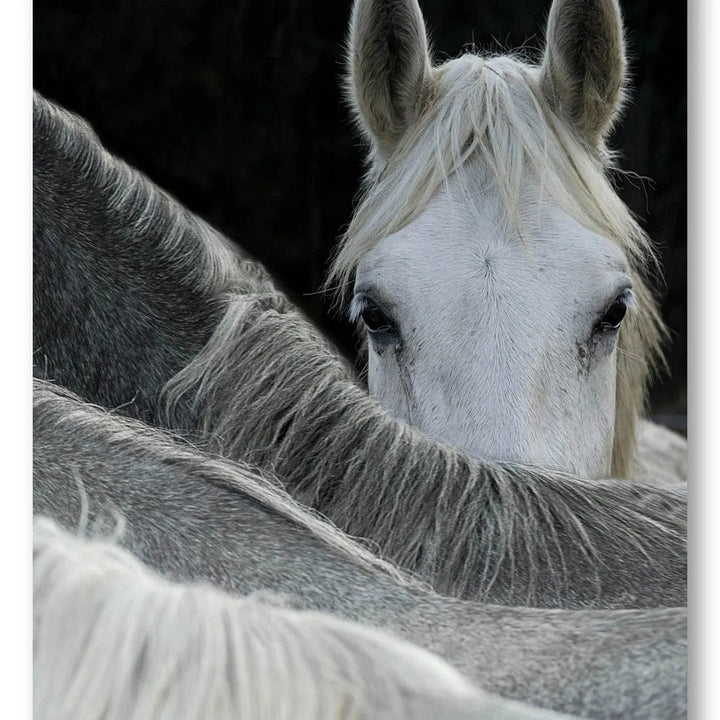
(613, 317)
(375, 319)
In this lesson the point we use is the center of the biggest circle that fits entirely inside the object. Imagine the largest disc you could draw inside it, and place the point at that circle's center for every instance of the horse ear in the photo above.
(388, 68)
(583, 71)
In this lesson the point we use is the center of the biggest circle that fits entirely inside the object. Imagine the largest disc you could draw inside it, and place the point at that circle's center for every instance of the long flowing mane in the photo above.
(492, 108)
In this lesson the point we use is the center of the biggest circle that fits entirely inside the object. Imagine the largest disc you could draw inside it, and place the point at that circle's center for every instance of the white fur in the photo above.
(495, 241)
(492, 331)
(112, 640)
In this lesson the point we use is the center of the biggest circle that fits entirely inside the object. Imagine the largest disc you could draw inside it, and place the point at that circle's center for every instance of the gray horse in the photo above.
(114, 641)
(141, 307)
(194, 517)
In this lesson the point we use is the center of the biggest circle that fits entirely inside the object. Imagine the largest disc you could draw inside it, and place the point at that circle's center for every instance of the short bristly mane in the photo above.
(56, 407)
(492, 109)
(127, 283)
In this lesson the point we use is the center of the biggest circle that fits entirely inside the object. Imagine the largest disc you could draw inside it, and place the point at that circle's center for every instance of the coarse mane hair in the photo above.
(268, 388)
(492, 108)
(127, 283)
(113, 639)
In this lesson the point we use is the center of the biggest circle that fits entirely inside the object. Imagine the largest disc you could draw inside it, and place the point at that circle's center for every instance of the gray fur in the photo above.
(125, 289)
(389, 69)
(113, 641)
(496, 532)
(254, 381)
(195, 518)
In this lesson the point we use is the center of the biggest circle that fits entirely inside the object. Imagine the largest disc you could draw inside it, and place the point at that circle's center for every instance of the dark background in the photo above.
(235, 108)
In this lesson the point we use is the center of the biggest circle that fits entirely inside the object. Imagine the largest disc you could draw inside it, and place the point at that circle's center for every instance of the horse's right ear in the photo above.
(388, 68)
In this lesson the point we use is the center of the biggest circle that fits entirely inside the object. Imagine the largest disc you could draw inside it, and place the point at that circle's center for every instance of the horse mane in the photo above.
(492, 109)
(270, 389)
(54, 405)
(105, 237)
(113, 639)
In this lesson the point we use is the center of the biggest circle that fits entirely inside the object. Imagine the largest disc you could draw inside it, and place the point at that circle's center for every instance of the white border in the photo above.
(703, 365)
(16, 358)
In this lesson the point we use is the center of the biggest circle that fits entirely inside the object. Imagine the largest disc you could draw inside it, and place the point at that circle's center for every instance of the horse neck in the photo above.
(515, 652)
(109, 241)
(87, 465)
(81, 451)
(270, 391)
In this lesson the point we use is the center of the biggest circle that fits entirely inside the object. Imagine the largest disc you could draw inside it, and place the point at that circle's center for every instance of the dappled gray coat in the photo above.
(195, 517)
(142, 307)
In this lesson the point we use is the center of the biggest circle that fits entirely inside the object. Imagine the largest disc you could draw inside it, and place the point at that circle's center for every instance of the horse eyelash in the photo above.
(357, 305)
(628, 297)
(630, 300)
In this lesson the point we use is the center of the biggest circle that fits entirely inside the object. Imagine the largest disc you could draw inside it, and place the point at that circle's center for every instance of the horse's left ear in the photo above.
(583, 71)
(388, 68)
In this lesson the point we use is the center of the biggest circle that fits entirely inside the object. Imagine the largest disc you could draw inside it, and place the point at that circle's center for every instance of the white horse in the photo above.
(217, 353)
(501, 281)
(198, 518)
(113, 640)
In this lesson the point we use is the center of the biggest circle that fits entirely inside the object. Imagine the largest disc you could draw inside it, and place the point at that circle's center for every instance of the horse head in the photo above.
(500, 280)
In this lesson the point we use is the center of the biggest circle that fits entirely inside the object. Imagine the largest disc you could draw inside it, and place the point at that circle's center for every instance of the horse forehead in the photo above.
(447, 245)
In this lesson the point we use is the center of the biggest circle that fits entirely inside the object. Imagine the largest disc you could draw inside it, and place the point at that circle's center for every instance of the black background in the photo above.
(235, 108)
